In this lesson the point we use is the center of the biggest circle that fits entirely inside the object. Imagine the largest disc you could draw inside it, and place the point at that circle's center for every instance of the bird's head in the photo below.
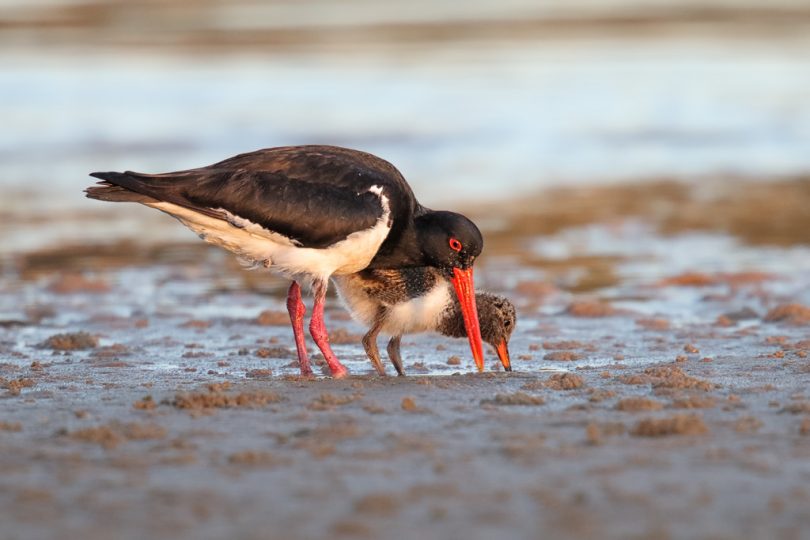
(451, 243)
(498, 319)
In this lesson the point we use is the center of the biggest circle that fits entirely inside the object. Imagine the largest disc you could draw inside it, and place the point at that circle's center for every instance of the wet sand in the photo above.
(96, 447)
(660, 391)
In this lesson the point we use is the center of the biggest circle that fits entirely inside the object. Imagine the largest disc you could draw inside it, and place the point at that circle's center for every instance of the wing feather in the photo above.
(311, 214)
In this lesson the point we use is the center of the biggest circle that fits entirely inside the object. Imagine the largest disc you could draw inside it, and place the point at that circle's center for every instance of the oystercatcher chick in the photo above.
(411, 300)
(309, 213)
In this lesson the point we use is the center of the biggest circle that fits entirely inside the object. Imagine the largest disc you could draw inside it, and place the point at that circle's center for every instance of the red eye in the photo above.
(455, 245)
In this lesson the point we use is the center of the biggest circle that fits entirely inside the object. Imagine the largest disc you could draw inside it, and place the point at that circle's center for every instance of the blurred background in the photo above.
(641, 173)
(475, 101)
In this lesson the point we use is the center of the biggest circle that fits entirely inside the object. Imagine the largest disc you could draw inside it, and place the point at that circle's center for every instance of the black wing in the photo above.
(336, 166)
(315, 195)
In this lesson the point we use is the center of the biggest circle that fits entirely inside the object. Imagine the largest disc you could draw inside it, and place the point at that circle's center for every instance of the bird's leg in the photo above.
(393, 354)
(370, 342)
(317, 329)
(297, 310)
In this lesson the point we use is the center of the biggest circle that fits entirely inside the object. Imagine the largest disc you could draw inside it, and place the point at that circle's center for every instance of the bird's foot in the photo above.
(339, 371)
(306, 371)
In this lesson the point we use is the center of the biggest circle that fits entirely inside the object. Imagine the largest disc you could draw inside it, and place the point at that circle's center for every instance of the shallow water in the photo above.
(471, 121)
(465, 120)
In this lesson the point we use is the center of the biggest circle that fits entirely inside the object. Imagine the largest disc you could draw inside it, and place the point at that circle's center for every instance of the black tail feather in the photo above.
(107, 191)
(110, 176)
(131, 186)
(123, 187)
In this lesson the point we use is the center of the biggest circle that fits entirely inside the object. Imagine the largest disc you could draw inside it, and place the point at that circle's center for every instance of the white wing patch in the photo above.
(261, 247)
(256, 229)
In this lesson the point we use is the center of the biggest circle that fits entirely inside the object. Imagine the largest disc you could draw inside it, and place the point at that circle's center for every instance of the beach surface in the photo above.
(660, 388)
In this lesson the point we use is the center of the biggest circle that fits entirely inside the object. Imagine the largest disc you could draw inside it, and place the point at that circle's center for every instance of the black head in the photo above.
(449, 240)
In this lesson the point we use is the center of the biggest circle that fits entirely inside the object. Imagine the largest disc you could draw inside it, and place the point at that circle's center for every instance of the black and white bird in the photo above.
(309, 213)
(411, 300)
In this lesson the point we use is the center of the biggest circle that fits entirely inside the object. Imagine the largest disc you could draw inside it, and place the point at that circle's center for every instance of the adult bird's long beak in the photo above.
(503, 354)
(465, 290)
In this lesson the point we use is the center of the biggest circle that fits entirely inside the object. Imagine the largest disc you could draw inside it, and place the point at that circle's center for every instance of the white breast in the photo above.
(420, 314)
(362, 306)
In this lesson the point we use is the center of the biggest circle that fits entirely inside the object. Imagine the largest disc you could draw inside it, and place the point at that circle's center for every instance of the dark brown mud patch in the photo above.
(70, 342)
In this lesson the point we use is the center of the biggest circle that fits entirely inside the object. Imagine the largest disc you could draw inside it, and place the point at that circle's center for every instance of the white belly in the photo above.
(362, 307)
(421, 314)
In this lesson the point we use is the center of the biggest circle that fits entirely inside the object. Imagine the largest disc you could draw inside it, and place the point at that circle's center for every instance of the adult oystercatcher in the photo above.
(310, 212)
(410, 300)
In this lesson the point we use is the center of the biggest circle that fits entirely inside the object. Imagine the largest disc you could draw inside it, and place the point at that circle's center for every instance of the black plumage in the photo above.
(311, 214)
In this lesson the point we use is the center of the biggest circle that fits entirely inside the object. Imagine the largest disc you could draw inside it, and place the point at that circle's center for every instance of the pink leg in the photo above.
(318, 330)
(297, 311)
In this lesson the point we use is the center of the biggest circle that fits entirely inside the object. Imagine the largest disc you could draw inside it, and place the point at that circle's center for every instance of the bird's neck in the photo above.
(451, 322)
(401, 249)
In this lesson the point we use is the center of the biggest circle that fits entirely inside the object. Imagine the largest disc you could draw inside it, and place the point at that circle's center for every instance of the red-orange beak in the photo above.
(503, 354)
(465, 290)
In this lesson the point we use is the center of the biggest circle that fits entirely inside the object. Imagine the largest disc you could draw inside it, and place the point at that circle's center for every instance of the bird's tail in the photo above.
(110, 189)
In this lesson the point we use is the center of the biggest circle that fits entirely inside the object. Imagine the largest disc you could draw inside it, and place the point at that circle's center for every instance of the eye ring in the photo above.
(455, 245)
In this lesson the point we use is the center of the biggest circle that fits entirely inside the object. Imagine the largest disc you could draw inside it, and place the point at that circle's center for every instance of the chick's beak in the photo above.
(503, 354)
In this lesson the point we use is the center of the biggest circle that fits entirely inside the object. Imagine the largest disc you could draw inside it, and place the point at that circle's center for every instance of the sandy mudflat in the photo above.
(660, 391)
(97, 450)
